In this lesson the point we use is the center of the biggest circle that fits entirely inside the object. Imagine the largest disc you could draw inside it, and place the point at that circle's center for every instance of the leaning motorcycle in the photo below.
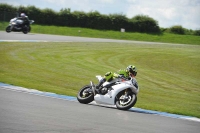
(15, 25)
(120, 92)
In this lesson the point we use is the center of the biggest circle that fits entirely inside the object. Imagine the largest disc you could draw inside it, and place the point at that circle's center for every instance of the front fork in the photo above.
(126, 93)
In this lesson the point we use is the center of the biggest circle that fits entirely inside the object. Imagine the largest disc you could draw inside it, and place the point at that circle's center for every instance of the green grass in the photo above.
(168, 75)
(85, 32)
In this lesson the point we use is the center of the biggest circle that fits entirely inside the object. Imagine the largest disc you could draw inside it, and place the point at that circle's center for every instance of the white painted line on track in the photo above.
(71, 98)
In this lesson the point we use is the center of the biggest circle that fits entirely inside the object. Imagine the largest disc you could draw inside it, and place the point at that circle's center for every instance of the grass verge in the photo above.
(168, 75)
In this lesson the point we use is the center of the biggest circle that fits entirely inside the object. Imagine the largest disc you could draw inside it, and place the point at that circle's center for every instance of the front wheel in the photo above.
(85, 95)
(8, 29)
(125, 101)
(29, 28)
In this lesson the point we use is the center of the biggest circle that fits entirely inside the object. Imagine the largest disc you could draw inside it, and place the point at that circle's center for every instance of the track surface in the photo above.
(32, 37)
(22, 112)
(27, 113)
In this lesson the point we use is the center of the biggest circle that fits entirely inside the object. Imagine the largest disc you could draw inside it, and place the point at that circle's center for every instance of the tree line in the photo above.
(92, 19)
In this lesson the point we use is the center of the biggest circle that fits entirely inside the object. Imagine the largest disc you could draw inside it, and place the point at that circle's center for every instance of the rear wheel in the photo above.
(125, 100)
(8, 29)
(85, 95)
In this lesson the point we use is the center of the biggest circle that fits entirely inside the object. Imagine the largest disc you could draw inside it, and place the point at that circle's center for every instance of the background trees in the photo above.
(93, 19)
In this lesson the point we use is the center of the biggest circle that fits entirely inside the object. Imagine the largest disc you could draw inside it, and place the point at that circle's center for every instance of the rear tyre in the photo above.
(85, 95)
(8, 29)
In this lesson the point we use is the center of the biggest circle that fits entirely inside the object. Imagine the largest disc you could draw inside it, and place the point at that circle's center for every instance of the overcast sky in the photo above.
(167, 12)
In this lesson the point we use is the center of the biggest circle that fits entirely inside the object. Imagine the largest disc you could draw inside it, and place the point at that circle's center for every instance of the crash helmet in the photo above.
(23, 15)
(132, 69)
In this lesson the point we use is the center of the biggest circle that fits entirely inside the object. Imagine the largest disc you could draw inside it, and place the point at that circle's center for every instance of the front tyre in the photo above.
(125, 102)
(25, 29)
(85, 95)
(29, 28)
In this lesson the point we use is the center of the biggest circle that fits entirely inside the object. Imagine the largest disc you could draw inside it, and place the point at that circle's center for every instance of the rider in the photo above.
(24, 18)
(130, 71)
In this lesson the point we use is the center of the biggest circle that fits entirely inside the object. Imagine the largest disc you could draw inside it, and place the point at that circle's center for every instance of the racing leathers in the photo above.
(109, 76)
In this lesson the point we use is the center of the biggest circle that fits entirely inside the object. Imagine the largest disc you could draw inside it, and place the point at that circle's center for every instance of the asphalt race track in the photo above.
(24, 112)
(32, 37)
(27, 113)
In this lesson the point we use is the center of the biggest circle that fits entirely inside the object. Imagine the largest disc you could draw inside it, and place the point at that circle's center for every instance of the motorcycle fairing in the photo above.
(109, 98)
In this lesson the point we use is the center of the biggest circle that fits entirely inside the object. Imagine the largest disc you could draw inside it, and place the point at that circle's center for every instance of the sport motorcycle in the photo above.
(16, 26)
(120, 92)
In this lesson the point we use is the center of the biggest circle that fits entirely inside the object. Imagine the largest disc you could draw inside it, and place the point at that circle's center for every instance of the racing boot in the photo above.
(98, 86)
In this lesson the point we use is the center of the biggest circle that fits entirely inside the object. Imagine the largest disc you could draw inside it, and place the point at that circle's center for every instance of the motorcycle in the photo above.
(15, 25)
(120, 92)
